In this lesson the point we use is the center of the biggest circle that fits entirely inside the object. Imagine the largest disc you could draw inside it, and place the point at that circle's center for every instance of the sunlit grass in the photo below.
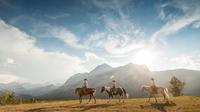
(183, 103)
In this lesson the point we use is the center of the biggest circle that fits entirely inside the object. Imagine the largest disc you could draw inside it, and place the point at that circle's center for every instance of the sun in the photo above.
(146, 57)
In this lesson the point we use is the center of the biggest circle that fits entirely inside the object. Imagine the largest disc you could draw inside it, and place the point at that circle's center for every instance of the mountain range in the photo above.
(130, 76)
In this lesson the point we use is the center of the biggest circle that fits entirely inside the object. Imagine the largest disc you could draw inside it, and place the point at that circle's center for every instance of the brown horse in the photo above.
(87, 91)
(159, 89)
(118, 91)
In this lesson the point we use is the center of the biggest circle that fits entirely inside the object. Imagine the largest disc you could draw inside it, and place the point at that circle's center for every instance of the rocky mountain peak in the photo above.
(101, 68)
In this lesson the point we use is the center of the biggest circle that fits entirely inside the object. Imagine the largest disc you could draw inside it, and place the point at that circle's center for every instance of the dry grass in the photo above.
(178, 104)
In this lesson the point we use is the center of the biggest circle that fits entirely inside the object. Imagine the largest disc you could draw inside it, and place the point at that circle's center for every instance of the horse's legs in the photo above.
(149, 98)
(109, 99)
(123, 96)
(90, 98)
(94, 98)
(80, 99)
(155, 98)
(120, 98)
(163, 96)
(112, 96)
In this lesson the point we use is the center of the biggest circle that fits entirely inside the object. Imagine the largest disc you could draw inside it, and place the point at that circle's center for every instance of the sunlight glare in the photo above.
(146, 57)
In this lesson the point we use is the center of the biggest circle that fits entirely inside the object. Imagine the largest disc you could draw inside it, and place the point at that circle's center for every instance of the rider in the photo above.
(153, 85)
(85, 85)
(114, 85)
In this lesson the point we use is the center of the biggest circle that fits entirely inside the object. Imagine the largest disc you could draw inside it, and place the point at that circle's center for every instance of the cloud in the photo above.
(27, 61)
(7, 78)
(120, 36)
(92, 60)
(58, 16)
(196, 25)
(10, 61)
(41, 29)
(176, 21)
(187, 61)
(6, 4)
(65, 35)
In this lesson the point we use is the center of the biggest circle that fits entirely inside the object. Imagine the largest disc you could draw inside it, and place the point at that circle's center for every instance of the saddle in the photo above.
(154, 88)
(114, 90)
(84, 89)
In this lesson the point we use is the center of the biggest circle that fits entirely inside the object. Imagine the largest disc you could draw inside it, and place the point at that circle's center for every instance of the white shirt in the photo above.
(85, 84)
(114, 84)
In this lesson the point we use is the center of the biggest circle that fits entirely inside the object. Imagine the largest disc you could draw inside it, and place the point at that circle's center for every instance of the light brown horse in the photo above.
(159, 89)
(119, 91)
(87, 91)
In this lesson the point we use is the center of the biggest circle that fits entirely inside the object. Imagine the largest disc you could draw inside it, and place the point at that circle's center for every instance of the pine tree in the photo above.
(4, 98)
(12, 98)
(176, 86)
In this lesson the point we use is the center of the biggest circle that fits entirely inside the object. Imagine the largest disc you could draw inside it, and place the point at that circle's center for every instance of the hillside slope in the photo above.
(185, 103)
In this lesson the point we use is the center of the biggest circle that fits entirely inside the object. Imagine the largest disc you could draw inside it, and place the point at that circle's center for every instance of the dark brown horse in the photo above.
(113, 92)
(87, 91)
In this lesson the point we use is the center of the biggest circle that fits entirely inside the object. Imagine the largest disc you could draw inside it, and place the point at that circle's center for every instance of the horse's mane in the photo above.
(107, 87)
(145, 86)
(150, 86)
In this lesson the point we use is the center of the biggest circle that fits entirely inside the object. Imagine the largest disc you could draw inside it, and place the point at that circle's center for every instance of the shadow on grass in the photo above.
(159, 106)
(48, 108)
(81, 107)
(95, 106)
(35, 110)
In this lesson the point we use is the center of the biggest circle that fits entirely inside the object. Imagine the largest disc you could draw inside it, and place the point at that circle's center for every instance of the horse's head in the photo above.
(103, 89)
(76, 90)
(143, 88)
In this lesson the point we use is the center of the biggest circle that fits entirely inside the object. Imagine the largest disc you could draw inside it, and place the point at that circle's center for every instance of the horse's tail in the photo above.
(76, 91)
(94, 91)
(125, 93)
(166, 92)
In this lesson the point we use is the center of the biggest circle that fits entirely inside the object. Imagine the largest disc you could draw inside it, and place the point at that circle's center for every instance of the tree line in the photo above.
(11, 99)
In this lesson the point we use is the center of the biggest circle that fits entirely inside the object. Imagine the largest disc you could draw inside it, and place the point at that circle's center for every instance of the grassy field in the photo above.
(175, 104)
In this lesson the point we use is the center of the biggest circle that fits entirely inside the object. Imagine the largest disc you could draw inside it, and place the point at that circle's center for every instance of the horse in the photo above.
(159, 89)
(87, 91)
(119, 91)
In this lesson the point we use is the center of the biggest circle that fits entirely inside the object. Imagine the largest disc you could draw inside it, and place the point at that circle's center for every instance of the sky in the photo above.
(50, 40)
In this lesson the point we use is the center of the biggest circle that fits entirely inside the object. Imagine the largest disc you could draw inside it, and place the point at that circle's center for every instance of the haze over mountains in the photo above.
(130, 76)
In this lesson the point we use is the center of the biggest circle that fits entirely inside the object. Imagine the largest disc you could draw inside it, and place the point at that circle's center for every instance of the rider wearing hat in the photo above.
(85, 85)
(153, 85)
(113, 84)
